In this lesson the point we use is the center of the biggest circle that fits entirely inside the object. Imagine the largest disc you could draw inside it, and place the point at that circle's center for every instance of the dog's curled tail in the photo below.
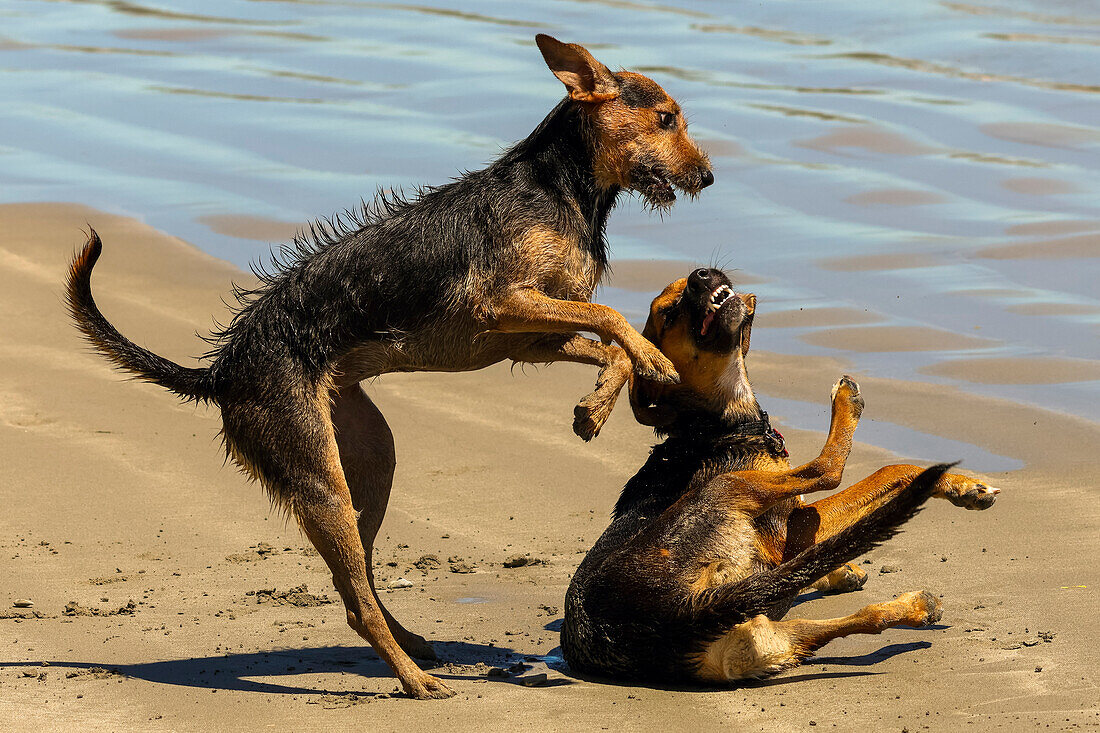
(719, 609)
(191, 384)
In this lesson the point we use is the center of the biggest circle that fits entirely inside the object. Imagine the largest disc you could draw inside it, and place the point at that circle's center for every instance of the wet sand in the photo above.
(1034, 370)
(1077, 246)
(1053, 227)
(252, 227)
(1038, 186)
(188, 608)
(876, 262)
(895, 339)
(895, 197)
(1054, 309)
(814, 317)
(869, 140)
(651, 276)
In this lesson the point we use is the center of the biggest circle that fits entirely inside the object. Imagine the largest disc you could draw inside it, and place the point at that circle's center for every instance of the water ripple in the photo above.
(930, 67)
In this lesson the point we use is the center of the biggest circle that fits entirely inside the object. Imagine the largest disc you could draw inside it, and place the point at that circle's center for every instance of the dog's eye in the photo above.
(667, 120)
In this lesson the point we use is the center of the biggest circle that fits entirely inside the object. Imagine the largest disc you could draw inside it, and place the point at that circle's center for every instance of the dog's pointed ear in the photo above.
(586, 79)
(645, 398)
(746, 327)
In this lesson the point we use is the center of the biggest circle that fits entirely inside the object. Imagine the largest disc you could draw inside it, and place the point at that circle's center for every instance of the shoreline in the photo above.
(120, 483)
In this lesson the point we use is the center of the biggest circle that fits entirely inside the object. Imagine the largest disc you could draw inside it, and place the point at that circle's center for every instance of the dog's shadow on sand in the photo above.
(254, 671)
(864, 660)
(554, 659)
(259, 671)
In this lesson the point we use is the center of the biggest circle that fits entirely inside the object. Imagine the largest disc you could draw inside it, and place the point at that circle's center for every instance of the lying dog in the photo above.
(711, 540)
(500, 264)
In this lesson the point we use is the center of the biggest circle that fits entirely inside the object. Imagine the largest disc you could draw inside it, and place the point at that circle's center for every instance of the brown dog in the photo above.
(500, 264)
(711, 540)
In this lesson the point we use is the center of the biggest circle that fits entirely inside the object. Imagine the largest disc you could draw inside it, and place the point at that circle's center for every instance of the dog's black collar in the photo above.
(761, 428)
(716, 432)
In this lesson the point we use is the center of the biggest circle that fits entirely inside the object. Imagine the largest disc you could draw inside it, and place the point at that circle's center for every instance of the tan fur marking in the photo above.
(755, 648)
(557, 264)
(714, 573)
(626, 134)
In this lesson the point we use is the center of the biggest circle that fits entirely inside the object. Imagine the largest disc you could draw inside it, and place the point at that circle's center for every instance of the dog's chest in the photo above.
(558, 264)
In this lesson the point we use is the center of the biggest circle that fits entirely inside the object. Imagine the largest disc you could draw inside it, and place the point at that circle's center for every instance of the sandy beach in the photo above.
(168, 595)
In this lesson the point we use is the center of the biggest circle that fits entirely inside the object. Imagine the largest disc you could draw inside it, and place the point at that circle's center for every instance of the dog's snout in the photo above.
(706, 177)
(700, 279)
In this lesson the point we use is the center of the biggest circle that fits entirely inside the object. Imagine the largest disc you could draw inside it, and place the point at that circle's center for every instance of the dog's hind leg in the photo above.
(846, 578)
(760, 646)
(815, 522)
(367, 457)
(291, 447)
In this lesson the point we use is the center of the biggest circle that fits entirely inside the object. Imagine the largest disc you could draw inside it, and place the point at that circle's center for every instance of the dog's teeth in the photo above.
(718, 297)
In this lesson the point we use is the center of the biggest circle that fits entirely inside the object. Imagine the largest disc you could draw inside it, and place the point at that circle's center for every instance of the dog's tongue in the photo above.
(707, 320)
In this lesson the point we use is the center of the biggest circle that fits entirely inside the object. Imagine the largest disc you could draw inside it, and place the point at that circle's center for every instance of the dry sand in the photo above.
(189, 612)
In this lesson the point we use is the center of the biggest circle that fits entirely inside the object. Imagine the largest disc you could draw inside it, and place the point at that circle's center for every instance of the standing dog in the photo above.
(500, 264)
(711, 540)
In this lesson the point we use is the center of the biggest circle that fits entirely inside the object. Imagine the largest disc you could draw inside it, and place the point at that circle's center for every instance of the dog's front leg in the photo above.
(526, 310)
(757, 491)
(615, 367)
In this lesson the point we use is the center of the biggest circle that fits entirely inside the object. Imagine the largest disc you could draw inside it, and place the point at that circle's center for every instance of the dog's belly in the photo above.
(444, 349)
(728, 554)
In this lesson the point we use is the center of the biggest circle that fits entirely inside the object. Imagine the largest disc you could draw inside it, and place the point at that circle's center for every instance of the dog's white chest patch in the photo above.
(734, 382)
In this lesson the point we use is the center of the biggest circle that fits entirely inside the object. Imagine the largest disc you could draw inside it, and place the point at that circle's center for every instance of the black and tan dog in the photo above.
(501, 264)
(711, 540)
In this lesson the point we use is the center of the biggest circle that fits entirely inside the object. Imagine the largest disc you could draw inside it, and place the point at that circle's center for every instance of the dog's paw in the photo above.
(919, 608)
(425, 687)
(662, 373)
(591, 413)
(845, 579)
(968, 493)
(846, 392)
(650, 363)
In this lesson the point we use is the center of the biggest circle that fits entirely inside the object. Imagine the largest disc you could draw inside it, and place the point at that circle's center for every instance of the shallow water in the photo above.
(910, 187)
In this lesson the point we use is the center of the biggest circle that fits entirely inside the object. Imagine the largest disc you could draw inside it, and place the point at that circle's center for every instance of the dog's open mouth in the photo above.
(719, 297)
(657, 187)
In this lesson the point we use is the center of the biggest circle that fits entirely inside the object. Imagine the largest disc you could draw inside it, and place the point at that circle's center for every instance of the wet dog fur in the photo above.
(500, 264)
(711, 540)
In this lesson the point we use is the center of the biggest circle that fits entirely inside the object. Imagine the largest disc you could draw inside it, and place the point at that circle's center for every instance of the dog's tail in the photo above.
(719, 609)
(191, 384)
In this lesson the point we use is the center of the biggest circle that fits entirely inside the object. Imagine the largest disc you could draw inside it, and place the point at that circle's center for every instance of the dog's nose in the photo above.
(700, 279)
(706, 177)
